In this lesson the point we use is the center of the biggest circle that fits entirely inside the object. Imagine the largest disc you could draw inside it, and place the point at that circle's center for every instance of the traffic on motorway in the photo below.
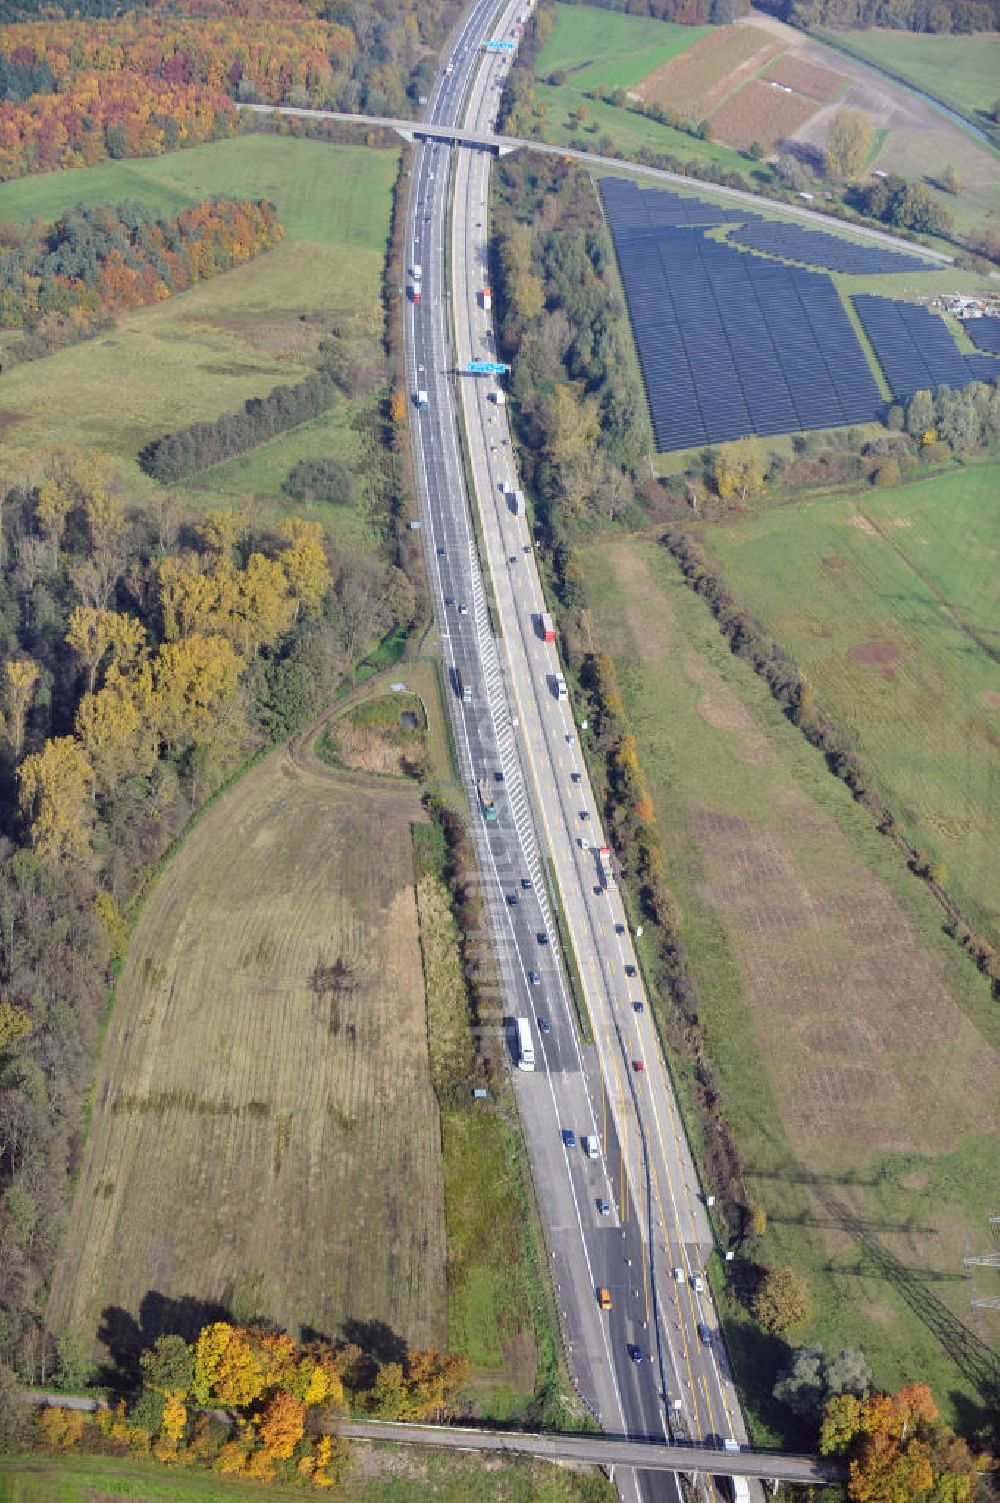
(614, 1180)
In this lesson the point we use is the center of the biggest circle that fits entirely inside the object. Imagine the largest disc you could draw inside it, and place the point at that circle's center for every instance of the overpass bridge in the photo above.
(499, 145)
(609, 1451)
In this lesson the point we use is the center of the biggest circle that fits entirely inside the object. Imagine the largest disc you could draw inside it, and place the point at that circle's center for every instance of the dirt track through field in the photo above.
(264, 1115)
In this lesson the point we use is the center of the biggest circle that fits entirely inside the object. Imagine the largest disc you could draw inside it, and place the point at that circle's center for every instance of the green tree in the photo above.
(781, 1301)
(168, 1366)
(810, 1378)
(950, 181)
(74, 1365)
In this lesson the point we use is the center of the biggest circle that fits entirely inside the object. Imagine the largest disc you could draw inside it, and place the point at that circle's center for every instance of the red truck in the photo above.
(546, 629)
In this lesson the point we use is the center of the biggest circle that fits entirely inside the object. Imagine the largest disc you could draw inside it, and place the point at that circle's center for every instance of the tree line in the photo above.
(179, 455)
(577, 402)
(940, 16)
(63, 280)
(248, 1401)
(145, 658)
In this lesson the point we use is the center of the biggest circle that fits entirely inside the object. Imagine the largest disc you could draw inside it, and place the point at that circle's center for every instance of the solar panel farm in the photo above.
(749, 335)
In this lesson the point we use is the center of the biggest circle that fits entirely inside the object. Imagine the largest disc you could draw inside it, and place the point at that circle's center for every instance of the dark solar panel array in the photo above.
(915, 348)
(984, 332)
(817, 248)
(634, 208)
(732, 345)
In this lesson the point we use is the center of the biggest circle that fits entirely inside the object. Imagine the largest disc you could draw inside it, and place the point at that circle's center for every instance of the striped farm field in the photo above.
(760, 112)
(264, 1126)
(806, 78)
(696, 82)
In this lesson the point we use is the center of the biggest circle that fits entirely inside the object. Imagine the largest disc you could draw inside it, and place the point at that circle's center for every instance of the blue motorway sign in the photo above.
(486, 368)
(499, 46)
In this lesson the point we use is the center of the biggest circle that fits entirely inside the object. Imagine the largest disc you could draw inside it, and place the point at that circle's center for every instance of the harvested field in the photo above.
(696, 82)
(858, 1054)
(264, 1118)
(806, 78)
(759, 111)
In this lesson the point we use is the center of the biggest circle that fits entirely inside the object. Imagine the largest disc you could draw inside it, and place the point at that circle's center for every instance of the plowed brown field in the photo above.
(264, 1116)
(758, 112)
(806, 78)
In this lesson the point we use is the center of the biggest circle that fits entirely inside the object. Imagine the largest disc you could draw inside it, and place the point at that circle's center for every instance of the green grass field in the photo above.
(915, 570)
(852, 1040)
(961, 71)
(205, 351)
(597, 47)
(382, 1474)
(630, 132)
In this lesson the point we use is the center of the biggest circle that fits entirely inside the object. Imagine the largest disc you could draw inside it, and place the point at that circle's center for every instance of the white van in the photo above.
(592, 1147)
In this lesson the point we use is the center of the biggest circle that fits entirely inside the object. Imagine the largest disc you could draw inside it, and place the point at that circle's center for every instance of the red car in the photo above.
(638, 1066)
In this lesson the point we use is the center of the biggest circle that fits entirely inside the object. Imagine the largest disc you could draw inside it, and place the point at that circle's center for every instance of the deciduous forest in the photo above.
(61, 281)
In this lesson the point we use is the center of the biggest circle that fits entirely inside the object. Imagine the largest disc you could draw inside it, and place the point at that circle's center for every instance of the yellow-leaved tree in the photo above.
(193, 679)
(55, 787)
(20, 681)
(226, 1367)
(305, 565)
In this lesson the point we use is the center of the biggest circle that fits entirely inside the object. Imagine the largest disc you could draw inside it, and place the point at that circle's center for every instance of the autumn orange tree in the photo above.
(898, 1448)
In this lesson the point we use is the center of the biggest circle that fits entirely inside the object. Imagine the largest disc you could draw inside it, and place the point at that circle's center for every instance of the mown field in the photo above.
(382, 1474)
(595, 47)
(961, 71)
(263, 1120)
(207, 350)
(891, 604)
(857, 1049)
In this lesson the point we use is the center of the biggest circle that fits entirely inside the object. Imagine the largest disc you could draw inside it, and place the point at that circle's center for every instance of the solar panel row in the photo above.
(641, 208)
(817, 248)
(731, 344)
(915, 348)
(984, 333)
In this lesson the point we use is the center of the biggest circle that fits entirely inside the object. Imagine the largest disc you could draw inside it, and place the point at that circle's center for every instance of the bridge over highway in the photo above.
(608, 1451)
(456, 135)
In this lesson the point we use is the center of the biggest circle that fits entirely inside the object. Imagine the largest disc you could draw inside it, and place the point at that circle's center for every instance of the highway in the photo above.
(653, 1367)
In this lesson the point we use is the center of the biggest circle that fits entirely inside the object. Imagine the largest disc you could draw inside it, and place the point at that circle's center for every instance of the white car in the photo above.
(679, 1275)
(697, 1283)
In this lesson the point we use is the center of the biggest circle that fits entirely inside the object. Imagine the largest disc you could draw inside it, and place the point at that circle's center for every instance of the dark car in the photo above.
(638, 1066)
(544, 1026)
(534, 978)
(635, 1352)
(569, 1137)
(512, 899)
(630, 970)
(526, 883)
(619, 928)
(543, 938)
(638, 1007)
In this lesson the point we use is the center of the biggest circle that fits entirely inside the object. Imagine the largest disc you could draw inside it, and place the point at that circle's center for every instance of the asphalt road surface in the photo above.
(653, 1366)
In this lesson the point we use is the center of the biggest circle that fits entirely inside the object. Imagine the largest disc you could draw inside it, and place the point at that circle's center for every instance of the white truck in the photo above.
(518, 504)
(525, 1045)
(592, 1147)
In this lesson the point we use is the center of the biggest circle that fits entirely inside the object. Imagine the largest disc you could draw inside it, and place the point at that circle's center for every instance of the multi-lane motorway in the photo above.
(630, 1221)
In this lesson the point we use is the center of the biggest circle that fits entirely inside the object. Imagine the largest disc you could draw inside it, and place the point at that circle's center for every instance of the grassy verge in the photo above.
(584, 1025)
